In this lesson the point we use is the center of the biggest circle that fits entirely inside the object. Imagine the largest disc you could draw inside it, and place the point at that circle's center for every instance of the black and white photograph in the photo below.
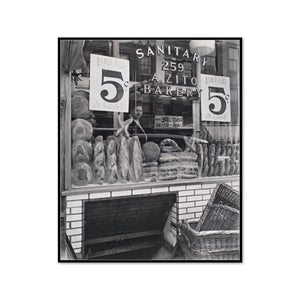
(150, 149)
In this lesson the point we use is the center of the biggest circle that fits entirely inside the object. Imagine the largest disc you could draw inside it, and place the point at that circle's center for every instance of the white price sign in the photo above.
(168, 122)
(215, 98)
(109, 83)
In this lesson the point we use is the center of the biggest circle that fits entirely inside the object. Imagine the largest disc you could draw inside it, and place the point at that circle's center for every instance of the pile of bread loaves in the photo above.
(123, 159)
(117, 159)
(213, 165)
(176, 163)
(82, 152)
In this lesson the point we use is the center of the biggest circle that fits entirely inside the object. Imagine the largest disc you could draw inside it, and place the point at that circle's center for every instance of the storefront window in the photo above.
(178, 124)
(139, 69)
(222, 156)
(173, 113)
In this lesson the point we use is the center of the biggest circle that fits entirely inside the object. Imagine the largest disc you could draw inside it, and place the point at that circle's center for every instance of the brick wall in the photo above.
(190, 202)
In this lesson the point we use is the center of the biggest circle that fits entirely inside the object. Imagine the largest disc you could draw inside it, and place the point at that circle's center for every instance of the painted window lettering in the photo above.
(172, 66)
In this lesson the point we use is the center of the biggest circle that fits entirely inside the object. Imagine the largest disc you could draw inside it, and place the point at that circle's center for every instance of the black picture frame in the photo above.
(61, 217)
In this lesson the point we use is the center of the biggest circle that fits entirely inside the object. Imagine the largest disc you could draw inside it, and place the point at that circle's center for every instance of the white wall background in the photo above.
(29, 149)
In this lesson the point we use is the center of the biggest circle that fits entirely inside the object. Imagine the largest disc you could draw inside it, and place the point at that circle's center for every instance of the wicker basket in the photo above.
(219, 217)
(216, 236)
(226, 195)
(221, 211)
(209, 245)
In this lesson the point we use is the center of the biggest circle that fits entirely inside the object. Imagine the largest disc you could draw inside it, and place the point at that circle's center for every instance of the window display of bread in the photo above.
(81, 151)
(122, 159)
(82, 174)
(81, 130)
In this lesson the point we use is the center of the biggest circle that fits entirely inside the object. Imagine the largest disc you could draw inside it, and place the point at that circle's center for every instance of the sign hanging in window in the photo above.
(168, 122)
(109, 83)
(215, 98)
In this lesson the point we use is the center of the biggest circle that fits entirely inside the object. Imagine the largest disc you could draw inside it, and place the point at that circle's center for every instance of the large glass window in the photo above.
(222, 157)
(164, 135)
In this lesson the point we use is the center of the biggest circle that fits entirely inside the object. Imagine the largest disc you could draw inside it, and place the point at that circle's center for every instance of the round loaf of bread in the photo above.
(81, 130)
(82, 151)
(82, 174)
(151, 151)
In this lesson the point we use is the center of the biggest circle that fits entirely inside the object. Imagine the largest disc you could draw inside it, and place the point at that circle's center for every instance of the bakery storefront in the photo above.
(148, 130)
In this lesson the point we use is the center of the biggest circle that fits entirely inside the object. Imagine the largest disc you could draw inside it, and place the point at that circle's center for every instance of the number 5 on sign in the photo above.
(109, 83)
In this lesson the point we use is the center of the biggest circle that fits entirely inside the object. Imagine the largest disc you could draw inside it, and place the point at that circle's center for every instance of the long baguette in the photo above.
(111, 160)
(136, 159)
